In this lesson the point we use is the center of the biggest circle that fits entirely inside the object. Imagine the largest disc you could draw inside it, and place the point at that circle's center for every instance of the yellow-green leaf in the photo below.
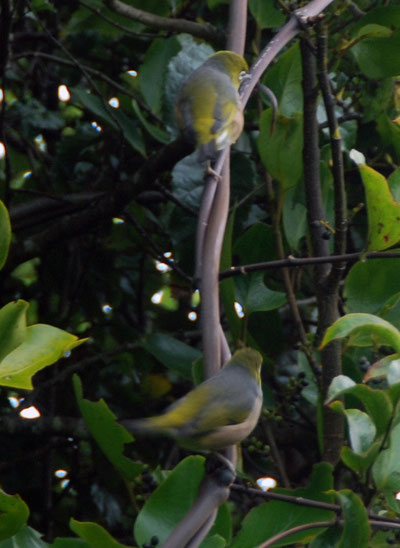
(383, 211)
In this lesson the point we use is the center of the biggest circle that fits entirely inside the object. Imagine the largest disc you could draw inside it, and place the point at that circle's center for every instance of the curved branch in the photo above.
(204, 31)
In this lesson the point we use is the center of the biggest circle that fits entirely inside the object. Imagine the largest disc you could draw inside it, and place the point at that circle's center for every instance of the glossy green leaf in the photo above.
(284, 79)
(94, 534)
(254, 295)
(365, 329)
(370, 284)
(281, 150)
(213, 542)
(12, 326)
(381, 368)
(5, 234)
(266, 13)
(376, 402)
(378, 55)
(362, 430)
(356, 529)
(383, 211)
(109, 435)
(174, 354)
(386, 469)
(170, 501)
(338, 385)
(14, 514)
(360, 462)
(153, 70)
(42, 346)
(29, 538)
(267, 520)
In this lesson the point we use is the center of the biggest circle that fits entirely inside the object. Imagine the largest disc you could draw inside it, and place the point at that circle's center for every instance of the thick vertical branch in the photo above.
(326, 298)
(331, 355)
(337, 156)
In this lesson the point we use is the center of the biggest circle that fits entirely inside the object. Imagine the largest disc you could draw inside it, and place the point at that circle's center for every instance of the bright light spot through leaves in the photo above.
(40, 142)
(30, 413)
(266, 483)
(61, 473)
(239, 309)
(106, 308)
(1, 95)
(63, 93)
(2, 151)
(397, 495)
(14, 402)
(192, 316)
(132, 73)
(114, 102)
(157, 297)
(96, 126)
(118, 221)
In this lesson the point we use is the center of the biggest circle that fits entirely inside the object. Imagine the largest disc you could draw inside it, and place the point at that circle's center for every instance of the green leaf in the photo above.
(383, 211)
(381, 369)
(12, 326)
(338, 385)
(376, 402)
(188, 181)
(213, 542)
(170, 501)
(174, 354)
(43, 346)
(356, 529)
(365, 329)
(156, 132)
(281, 150)
(267, 520)
(27, 538)
(284, 79)
(110, 436)
(360, 462)
(112, 117)
(223, 523)
(386, 470)
(254, 295)
(5, 234)
(362, 430)
(255, 245)
(94, 534)
(370, 284)
(266, 14)
(294, 217)
(153, 71)
(378, 56)
(14, 514)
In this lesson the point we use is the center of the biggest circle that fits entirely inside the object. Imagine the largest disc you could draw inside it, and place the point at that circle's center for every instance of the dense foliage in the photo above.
(102, 199)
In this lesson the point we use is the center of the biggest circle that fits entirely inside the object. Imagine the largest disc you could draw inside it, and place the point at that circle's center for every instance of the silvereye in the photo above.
(219, 412)
(208, 109)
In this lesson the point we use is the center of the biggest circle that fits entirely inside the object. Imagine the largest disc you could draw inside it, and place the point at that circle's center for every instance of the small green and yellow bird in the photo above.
(208, 109)
(219, 412)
